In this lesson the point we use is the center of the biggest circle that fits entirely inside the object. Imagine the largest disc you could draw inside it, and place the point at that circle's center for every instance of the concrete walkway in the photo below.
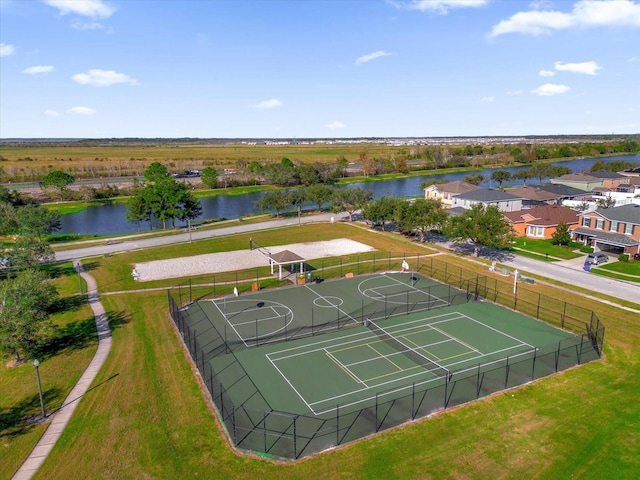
(61, 417)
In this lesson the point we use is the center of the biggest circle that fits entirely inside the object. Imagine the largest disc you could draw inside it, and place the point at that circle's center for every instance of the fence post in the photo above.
(538, 309)
(190, 292)
(337, 424)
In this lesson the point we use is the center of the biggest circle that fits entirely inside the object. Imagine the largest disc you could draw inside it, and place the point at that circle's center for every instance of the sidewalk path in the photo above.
(61, 417)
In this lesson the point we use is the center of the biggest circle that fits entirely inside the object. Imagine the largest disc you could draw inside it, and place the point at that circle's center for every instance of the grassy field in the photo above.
(148, 418)
(540, 249)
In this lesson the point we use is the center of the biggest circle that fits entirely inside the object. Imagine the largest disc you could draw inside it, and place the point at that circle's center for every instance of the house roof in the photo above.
(605, 174)
(488, 195)
(608, 237)
(545, 215)
(534, 193)
(629, 213)
(455, 187)
(564, 191)
(577, 177)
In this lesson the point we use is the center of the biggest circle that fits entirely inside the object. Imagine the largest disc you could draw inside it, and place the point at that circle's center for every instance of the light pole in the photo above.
(36, 364)
(189, 228)
(79, 276)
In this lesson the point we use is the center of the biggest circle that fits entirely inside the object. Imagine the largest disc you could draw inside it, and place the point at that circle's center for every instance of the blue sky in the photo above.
(306, 68)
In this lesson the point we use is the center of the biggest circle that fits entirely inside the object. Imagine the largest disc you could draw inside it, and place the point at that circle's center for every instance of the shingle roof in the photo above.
(608, 237)
(629, 213)
(534, 193)
(456, 187)
(563, 190)
(488, 195)
(545, 215)
(605, 174)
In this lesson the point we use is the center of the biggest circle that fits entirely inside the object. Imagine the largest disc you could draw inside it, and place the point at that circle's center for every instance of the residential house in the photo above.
(610, 180)
(578, 180)
(542, 221)
(615, 230)
(535, 196)
(446, 191)
(503, 200)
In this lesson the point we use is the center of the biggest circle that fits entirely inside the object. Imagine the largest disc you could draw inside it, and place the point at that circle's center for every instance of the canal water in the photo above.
(111, 219)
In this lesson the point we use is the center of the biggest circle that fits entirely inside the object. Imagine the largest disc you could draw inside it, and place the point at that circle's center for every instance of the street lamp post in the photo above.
(36, 364)
(79, 277)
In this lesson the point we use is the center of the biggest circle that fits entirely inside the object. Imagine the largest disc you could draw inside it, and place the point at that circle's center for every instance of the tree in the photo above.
(319, 194)
(423, 215)
(500, 176)
(382, 210)
(37, 220)
(156, 172)
(562, 235)
(279, 173)
(307, 174)
(139, 208)
(8, 219)
(606, 202)
(275, 200)
(480, 225)
(56, 182)
(350, 199)
(523, 174)
(25, 304)
(540, 171)
(428, 183)
(209, 177)
(29, 252)
(475, 179)
(297, 198)
(556, 171)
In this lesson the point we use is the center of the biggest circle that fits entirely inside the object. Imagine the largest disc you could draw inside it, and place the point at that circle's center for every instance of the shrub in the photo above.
(587, 249)
(624, 257)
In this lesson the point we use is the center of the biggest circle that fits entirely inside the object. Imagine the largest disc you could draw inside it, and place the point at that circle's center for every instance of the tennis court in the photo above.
(297, 370)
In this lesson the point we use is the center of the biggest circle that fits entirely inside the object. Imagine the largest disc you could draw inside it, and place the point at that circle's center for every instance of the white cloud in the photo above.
(488, 99)
(102, 78)
(85, 8)
(549, 89)
(633, 59)
(586, 68)
(585, 14)
(335, 125)
(371, 56)
(6, 50)
(50, 113)
(441, 6)
(82, 111)
(546, 73)
(515, 92)
(267, 104)
(82, 26)
(38, 69)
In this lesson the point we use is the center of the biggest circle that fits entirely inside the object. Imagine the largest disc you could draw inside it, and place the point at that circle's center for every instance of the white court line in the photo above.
(230, 324)
(292, 387)
(499, 331)
(263, 319)
(343, 367)
(329, 303)
(416, 289)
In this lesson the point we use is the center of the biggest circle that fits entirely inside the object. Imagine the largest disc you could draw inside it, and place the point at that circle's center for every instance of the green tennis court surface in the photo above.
(332, 360)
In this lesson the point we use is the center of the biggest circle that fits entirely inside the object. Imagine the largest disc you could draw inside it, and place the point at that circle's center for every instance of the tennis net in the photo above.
(408, 351)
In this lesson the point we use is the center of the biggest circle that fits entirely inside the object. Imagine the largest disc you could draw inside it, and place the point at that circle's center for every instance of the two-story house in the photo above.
(446, 191)
(615, 230)
(542, 222)
(503, 200)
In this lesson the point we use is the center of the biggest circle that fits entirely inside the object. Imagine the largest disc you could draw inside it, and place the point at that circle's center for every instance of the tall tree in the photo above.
(275, 200)
(319, 194)
(350, 200)
(480, 225)
(475, 179)
(25, 304)
(382, 210)
(500, 176)
(156, 172)
(423, 215)
(55, 183)
(37, 220)
(29, 252)
(209, 177)
(523, 174)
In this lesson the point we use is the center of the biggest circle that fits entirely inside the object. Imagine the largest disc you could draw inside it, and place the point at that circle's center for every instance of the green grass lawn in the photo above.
(148, 418)
(60, 368)
(542, 248)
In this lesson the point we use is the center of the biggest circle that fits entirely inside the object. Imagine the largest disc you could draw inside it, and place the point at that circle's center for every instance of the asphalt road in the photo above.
(569, 272)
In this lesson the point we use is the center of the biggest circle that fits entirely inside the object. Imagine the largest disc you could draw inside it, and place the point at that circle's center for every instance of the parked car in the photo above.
(596, 258)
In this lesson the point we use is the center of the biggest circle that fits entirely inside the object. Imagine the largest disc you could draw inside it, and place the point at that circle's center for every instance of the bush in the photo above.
(624, 257)
(587, 249)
